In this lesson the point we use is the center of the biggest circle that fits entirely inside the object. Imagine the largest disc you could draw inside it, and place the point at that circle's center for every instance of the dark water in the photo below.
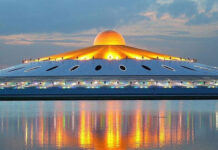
(151, 125)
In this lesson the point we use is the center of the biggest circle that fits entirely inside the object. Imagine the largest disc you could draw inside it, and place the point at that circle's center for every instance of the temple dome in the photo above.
(109, 45)
(109, 37)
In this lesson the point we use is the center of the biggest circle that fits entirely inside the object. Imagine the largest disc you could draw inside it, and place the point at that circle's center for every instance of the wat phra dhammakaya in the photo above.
(109, 69)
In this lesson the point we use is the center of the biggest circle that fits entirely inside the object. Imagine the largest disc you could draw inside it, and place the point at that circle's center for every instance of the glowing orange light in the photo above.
(113, 132)
(109, 52)
(26, 133)
(41, 126)
(137, 130)
(109, 38)
(162, 131)
(59, 130)
(31, 134)
(85, 134)
(145, 130)
(108, 45)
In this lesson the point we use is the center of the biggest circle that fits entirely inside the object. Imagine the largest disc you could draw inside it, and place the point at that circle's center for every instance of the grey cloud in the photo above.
(178, 8)
(209, 4)
(190, 10)
(66, 16)
(203, 19)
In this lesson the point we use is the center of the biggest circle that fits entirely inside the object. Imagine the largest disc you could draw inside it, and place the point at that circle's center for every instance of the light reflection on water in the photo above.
(109, 125)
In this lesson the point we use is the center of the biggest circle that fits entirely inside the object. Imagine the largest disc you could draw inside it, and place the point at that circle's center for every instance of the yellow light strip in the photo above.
(109, 52)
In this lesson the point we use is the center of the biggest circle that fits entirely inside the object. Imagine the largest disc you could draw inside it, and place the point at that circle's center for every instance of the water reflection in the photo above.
(107, 124)
(217, 120)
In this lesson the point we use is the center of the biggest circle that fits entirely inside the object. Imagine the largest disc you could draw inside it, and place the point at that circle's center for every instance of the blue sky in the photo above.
(35, 28)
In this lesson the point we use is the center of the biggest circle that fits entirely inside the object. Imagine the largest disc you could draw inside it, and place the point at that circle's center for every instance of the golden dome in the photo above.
(109, 37)
(109, 45)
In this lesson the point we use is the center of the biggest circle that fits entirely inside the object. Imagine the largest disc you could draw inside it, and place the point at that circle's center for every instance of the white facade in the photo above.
(130, 67)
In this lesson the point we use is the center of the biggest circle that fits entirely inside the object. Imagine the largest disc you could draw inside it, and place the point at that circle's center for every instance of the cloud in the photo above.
(196, 11)
(62, 39)
(201, 5)
(154, 25)
(66, 16)
(70, 44)
(178, 8)
(214, 8)
(73, 16)
(151, 15)
(167, 25)
(18, 42)
(163, 2)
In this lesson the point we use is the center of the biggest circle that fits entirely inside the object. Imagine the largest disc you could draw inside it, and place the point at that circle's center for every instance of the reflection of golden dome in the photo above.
(109, 37)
